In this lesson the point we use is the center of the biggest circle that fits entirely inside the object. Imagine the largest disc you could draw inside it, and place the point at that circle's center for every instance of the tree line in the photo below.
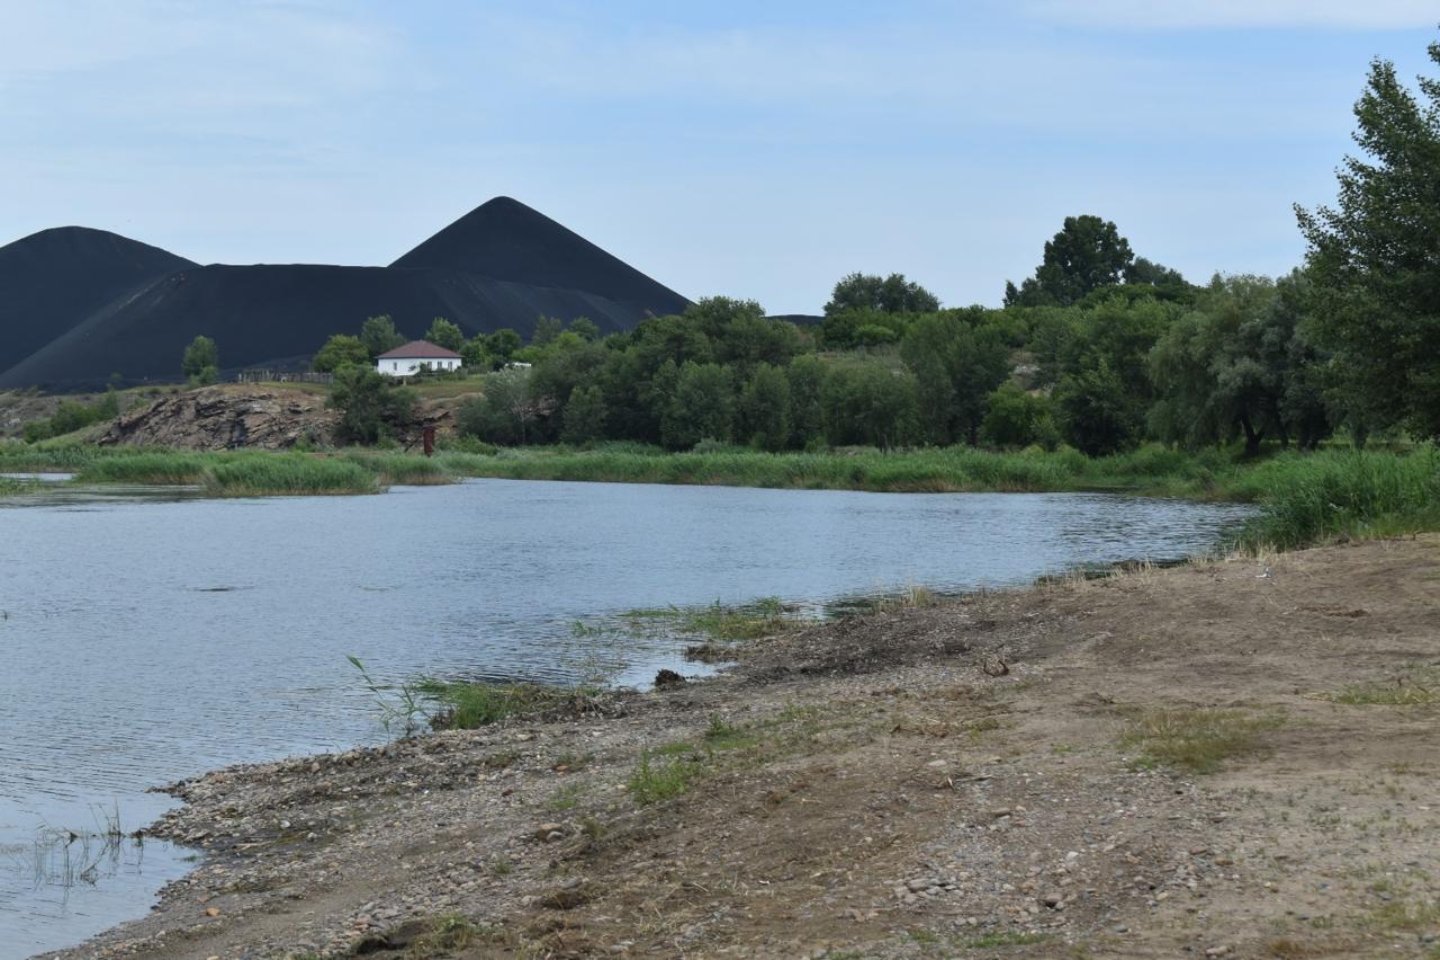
(1099, 349)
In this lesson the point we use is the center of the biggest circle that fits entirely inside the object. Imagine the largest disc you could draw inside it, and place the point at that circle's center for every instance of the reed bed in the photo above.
(1151, 470)
(61, 456)
(1305, 497)
(145, 467)
(1348, 493)
(289, 475)
(403, 468)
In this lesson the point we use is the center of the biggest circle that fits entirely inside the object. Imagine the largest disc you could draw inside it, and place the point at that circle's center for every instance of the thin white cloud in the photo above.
(170, 56)
(1202, 14)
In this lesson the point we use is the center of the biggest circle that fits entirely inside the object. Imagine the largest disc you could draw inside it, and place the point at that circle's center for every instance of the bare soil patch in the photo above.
(1013, 774)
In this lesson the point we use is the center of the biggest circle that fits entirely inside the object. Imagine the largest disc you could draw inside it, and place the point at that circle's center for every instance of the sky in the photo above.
(753, 148)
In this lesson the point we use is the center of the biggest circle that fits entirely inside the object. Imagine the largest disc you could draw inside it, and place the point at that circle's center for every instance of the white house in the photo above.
(414, 356)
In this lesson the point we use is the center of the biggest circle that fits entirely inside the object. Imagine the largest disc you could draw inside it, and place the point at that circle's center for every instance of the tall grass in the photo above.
(288, 474)
(50, 455)
(952, 469)
(1342, 492)
(1304, 497)
(156, 467)
(403, 468)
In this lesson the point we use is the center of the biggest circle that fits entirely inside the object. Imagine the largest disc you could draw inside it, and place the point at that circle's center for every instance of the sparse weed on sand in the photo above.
(656, 780)
(1197, 741)
(464, 705)
(1411, 689)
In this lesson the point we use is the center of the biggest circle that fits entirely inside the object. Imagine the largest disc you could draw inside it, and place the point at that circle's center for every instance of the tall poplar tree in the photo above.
(1374, 258)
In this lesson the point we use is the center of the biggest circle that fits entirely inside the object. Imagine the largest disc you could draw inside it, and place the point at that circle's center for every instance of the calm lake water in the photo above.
(147, 641)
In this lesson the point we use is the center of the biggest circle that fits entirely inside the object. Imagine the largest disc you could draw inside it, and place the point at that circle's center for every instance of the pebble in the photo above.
(550, 832)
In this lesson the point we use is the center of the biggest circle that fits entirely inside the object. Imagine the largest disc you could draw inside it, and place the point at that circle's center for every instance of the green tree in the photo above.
(702, 407)
(371, 405)
(866, 327)
(1238, 363)
(201, 361)
(1096, 416)
(892, 294)
(1122, 332)
(444, 333)
(956, 366)
(506, 413)
(584, 416)
(502, 344)
(764, 414)
(568, 364)
(546, 329)
(713, 315)
(1146, 273)
(747, 337)
(1372, 258)
(870, 403)
(1307, 404)
(1014, 418)
(1087, 253)
(339, 351)
(874, 335)
(806, 377)
(475, 354)
(379, 335)
(584, 328)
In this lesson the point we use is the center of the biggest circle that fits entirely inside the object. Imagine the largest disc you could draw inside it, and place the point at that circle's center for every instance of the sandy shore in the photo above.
(1158, 764)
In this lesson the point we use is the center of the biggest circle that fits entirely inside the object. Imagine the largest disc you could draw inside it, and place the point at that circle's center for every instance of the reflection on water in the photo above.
(49, 491)
(146, 641)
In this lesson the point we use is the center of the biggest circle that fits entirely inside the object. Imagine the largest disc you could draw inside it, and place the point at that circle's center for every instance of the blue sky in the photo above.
(755, 149)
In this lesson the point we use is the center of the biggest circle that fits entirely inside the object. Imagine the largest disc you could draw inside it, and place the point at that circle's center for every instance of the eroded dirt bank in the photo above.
(988, 778)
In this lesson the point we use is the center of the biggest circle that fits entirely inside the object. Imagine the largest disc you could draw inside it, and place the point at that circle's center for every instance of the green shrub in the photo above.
(71, 416)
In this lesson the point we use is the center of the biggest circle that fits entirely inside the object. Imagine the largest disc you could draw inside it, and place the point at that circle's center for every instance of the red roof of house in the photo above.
(419, 350)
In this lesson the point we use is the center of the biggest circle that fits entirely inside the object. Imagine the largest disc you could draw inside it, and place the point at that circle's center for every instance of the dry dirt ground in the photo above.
(1001, 776)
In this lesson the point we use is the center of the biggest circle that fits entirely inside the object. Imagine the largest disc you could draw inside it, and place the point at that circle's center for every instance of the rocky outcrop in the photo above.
(226, 418)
